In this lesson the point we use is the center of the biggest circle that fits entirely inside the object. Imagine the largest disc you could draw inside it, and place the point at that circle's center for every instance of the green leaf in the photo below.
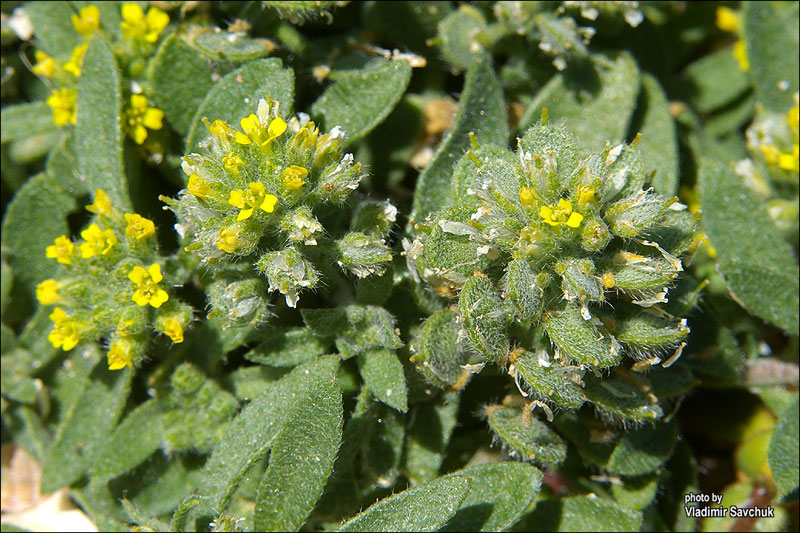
(659, 143)
(98, 135)
(595, 100)
(286, 347)
(252, 432)
(428, 436)
(34, 218)
(356, 327)
(131, 443)
(616, 399)
(644, 449)
(301, 460)
(22, 121)
(436, 349)
(481, 111)
(235, 47)
(499, 494)
(580, 513)
(181, 80)
(758, 265)
(52, 25)
(713, 81)
(383, 375)
(783, 452)
(528, 440)
(579, 339)
(548, 382)
(85, 427)
(457, 37)
(636, 492)
(771, 37)
(236, 95)
(426, 507)
(485, 318)
(359, 100)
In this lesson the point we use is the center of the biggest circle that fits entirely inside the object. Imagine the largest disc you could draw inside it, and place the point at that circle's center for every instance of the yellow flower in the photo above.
(228, 240)
(793, 118)
(790, 161)
(61, 251)
(65, 330)
(139, 227)
(220, 130)
(294, 177)
(62, 101)
(740, 54)
(47, 292)
(102, 203)
(119, 354)
(147, 289)
(45, 64)
(561, 214)
(254, 132)
(527, 196)
(174, 329)
(254, 196)
(586, 194)
(98, 242)
(88, 21)
(728, 20)
(198, 187)
(139, 117)
(73, 66)
(140, 27)
(232, 162)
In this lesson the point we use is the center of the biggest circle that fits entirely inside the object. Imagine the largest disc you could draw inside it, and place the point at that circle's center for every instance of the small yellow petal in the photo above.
(137, 274)
(132, 12)
(153, 118)
(160, 297)
(269, 203)
(237, 198)
(139, 134)
(574, 220)
(241, 138)
(155, 272)
(277, 127)
(244, 214)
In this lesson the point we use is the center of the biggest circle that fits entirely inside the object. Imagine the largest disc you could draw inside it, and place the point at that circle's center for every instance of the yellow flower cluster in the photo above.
(142, 28)
(139, 117)
(562, 213)
(731, 21)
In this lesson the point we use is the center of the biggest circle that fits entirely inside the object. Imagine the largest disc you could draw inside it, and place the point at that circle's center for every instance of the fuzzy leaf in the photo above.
(659, 144)
(429, 435)
(436, 349)
(426, 507)
(22, 121)
(757, 263)
(548, 383)
(181, 80)
(529, 440)
(456, 37)
(235, 47)
(252, 432)
(595, 100)
(771, 37)
(301, 460)
(580, 513)
(132, 441)
(85, 427)
(485, 318)
(499, 494)
(52, 25)
(359, 100)
(783, 451)
(236, 95)
(713, 81)
(481, 111)
(383, 375)
(287, 347)
(616, 399)
(98, 134)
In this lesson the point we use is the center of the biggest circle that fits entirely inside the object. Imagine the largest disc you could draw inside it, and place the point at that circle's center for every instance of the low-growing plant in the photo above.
(261, 271)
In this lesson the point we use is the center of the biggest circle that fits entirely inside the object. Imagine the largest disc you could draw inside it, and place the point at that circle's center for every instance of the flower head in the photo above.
(45, 64)
(174, 329)
(63, 101)
(119, 354)
(102, 203)
(228, 240)
(294, 177)
(220, 130)
(562, 213)
(728, 19)
(47, 292)
(254, 131)
(88, 20)
(98, 242)
(139, 117)
(232, 162)
(142, 28)
(65, 330)
(527, 196)
(146, 283)
(586, 194)
(61, 251)
(198, 187)
(139, 227)
(73, 66)
(254, 196)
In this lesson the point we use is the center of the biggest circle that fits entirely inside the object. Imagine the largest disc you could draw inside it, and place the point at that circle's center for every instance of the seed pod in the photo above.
(485, 318)
(579, 339)
(288, 272)
(362, 255)
(578, 281)
(523, 290)
(594, 234)
(549, 381)
(531, 441)
(436, 350)
(240, 302)
(636, 213)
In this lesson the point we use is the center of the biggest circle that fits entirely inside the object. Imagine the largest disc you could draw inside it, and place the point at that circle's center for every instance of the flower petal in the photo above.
(574, 220)
(155, 272)
(244, 214)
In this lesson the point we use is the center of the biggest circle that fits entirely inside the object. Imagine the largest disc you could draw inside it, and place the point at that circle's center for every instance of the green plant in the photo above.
(260, 271)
